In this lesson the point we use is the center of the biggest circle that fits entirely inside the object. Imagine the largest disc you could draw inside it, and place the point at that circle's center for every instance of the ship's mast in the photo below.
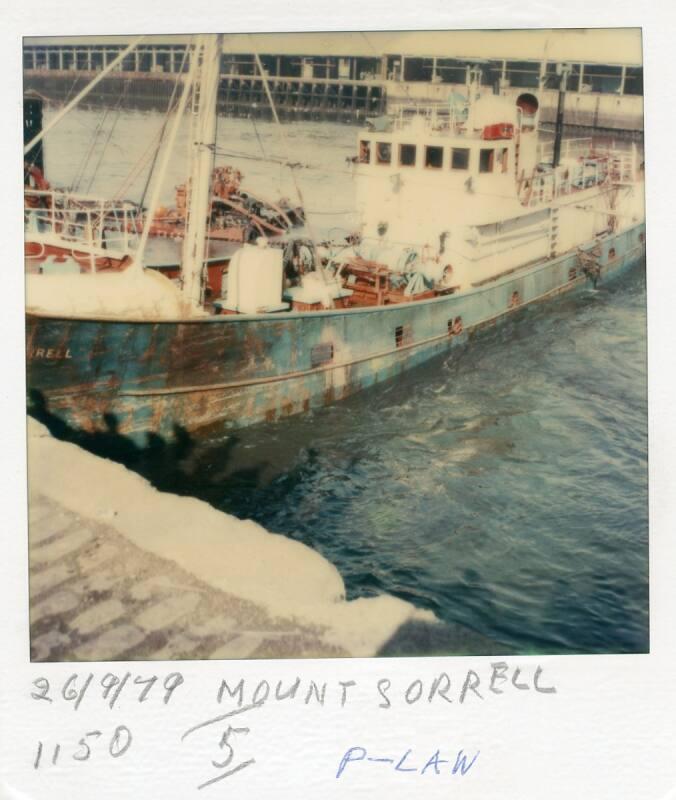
(563, 70)
(202, 146)
(473, 90)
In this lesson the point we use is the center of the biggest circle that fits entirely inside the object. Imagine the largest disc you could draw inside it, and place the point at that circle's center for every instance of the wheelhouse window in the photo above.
(486, 158)
(383, 152)
(460, 158)
(364, 152)
(407, 155)
(434, 157)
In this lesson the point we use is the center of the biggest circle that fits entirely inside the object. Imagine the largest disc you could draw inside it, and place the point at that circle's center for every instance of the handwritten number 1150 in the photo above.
(118, 745)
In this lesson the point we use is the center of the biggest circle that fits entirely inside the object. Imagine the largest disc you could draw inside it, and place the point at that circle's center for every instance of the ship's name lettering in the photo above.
(52, 353)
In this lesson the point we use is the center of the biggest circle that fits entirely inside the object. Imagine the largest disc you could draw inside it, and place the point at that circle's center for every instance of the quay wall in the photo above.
(340, 100)
(348, 101)
(120, 569)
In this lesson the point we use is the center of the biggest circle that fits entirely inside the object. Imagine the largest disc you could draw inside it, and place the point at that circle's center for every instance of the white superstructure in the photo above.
(467, 195)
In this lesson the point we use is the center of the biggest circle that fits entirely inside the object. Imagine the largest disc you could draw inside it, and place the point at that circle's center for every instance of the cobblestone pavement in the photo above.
(94, 596)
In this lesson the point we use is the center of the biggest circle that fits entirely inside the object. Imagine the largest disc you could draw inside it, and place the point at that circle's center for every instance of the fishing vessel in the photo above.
(466, 218)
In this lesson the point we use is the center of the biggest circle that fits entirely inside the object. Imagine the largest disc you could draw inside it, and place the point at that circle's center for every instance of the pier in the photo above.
(94, 596)
(357, 76)
(120, 571)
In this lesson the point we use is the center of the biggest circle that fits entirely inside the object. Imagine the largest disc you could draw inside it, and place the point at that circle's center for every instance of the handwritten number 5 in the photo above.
(225, 743)
(88, 751)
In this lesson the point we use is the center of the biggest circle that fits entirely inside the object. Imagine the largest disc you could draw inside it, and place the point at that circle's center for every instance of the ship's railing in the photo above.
(547, 184)
(80, 223)
(596, 166)
(624, 166)
(440, 119)
(570, 149)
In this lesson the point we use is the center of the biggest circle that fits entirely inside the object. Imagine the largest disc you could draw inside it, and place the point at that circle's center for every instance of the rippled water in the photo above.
(504, 487)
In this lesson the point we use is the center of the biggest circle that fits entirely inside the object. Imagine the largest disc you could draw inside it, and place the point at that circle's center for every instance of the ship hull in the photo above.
(144, 379)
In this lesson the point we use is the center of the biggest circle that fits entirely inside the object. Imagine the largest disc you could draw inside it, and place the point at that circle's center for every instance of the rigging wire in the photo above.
(150, 154)
(260, 142)
(92, 147)
(145, 158)
(170, 107)
(110, 135)
(84, 161)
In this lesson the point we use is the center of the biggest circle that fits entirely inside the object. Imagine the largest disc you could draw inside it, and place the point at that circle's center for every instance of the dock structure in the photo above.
(349, 76)
(99, 591)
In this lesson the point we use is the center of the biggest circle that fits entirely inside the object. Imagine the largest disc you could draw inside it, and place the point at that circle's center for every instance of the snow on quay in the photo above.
(282, 579)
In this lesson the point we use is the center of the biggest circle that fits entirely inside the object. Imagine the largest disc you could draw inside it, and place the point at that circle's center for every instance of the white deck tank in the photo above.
(255, 278)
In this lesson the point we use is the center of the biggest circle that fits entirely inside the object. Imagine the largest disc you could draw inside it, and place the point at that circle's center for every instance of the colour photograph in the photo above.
(336, 344)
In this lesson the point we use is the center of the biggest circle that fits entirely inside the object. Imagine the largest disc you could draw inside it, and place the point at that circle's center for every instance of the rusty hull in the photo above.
(139, 378)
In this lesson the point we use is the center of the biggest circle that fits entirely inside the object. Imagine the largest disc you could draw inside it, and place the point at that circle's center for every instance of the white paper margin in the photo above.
(608, 733)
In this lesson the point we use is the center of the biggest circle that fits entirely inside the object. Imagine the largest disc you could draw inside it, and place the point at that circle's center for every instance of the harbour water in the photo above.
(504, 487)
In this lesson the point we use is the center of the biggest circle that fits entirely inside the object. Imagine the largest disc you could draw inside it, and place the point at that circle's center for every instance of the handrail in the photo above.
(80, 223)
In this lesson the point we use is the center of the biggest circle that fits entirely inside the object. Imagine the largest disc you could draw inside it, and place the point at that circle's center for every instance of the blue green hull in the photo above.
(143, 377)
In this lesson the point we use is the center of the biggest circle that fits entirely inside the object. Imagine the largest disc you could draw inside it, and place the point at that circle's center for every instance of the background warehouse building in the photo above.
(351, 75)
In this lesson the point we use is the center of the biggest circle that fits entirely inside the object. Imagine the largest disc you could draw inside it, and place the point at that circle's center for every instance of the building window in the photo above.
(524, 74)
(503, 159)
(633, 80)
(364, 152)
(418, 69)
(460, 158)
(434, 157)
(407, 155)
(603, 78)
(383, 152)
(552, 80)
(321, 354)
(486, 158)
(403, 335)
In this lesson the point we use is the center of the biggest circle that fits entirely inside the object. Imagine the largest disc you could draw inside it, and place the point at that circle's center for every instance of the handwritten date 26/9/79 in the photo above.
(137, 688)
(75, 688)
